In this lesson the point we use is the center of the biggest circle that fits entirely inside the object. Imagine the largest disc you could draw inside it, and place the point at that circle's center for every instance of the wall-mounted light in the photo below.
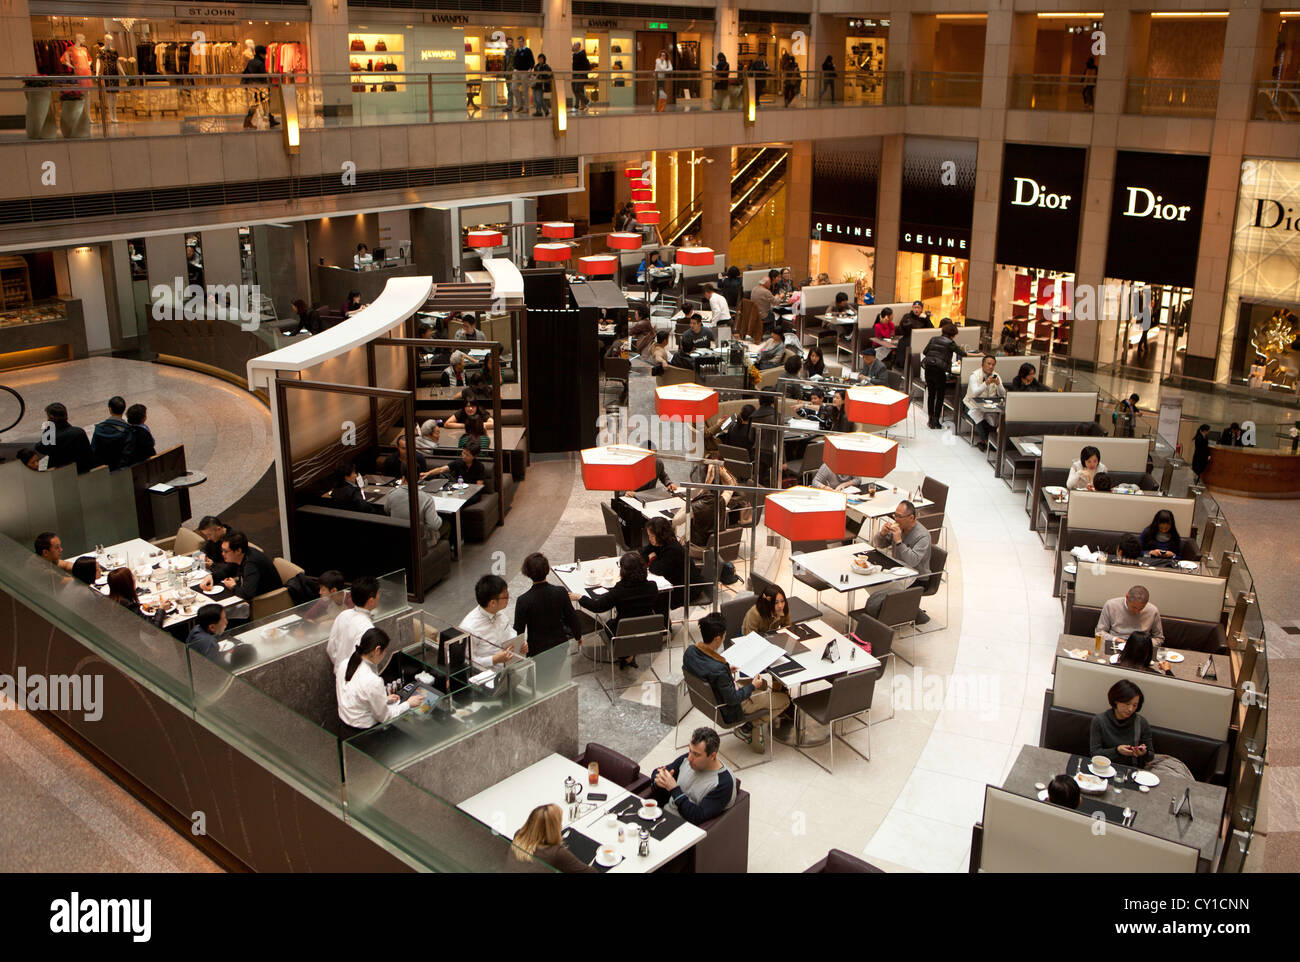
(81, 250)
(560, 115)
(751, 103)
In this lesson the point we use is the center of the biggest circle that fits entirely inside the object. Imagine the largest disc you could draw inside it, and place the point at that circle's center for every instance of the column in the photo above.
(1247, 55)
(798, 207)
(327, 52)
(557, 37)
(16, 58)
(828, 38)
(889, 209)
(715, 224)
(988, 163)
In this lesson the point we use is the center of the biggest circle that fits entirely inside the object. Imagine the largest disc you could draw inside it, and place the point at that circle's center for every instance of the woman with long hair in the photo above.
(770, 611)
(1160, 539)
(541, 838)
(1139, 653)
(633, 595)
(665, 556)
(121, 588)
(814, 363)
(363, 700)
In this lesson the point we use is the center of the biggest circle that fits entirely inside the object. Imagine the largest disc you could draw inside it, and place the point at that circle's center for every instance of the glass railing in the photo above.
(1171, 96)
(946, 88)
(270, 695)
(1052, 92)
(1279, 102)
(72, 108)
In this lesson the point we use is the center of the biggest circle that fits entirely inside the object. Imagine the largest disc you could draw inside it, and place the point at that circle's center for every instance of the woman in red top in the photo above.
(885, 330)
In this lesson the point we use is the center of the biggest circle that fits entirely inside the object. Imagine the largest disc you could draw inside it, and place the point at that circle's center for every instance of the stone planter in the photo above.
(41, 124)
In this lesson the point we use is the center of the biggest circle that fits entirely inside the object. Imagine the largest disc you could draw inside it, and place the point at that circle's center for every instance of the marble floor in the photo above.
(226, 431)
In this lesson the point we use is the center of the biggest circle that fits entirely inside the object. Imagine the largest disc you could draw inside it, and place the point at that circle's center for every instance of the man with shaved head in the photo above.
(1120, 617)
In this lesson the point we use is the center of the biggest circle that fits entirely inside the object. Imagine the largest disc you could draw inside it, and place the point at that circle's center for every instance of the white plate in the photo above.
(101, 580)
(1102, 772)
(1146, 778)
(180, 563)
(1114, 658)
(610, 864)
(225, 646)
(1174, 657)
(1042, 796)
(1189, 565)
(644, 814)
(1053, 489)
(214, 590)
(1090, 784)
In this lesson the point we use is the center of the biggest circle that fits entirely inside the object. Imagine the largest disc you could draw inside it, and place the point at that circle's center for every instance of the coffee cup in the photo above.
(1100, 762)
(607, 854)
(651, 807)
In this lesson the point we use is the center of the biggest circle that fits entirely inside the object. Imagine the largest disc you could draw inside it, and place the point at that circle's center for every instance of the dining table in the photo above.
(449, 499)
(1036, 766)
(587, 826)
(835, 567)
(1186, 665)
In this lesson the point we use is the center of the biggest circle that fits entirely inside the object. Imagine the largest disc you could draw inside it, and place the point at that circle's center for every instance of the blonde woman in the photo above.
(540, 838)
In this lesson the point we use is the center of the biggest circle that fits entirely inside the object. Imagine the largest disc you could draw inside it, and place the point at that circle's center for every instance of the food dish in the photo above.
(1089, 783)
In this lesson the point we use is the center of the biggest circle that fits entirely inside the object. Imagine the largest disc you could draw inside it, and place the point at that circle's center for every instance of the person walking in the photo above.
(255, 76)
(828, 78)
(936, 363)
(1089, 82)
(663, 67)
(541, 86)
(581, 67)
(721, 81)
(791, 82)
(524, 63)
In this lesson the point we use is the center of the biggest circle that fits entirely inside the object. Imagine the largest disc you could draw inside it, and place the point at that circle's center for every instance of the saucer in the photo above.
(644, 814)
(600, 860)
(1102, 772)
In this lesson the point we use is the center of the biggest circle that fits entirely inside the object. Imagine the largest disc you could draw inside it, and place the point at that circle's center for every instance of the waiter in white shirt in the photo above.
(362, 258)
(718, 305)
(353, 622)
(364, 702)
(488, 624)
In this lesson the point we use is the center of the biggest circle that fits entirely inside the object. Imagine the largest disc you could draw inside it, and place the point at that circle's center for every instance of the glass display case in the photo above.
(41, 312)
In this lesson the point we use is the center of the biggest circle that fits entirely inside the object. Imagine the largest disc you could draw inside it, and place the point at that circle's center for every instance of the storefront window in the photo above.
(1144, 326)
(769, 49)
(939, 281)
(1034, 307)
(863, 63)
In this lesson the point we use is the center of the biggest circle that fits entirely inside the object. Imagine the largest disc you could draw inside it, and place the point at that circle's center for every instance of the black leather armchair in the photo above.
(838, 862)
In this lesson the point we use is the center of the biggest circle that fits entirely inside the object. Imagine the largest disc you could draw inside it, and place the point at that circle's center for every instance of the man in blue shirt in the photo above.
(208, 626)
(109, 439)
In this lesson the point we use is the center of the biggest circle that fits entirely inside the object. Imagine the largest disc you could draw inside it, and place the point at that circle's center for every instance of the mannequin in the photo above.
(77, 59)
(249, 48)
(74, 113)
(106, 67)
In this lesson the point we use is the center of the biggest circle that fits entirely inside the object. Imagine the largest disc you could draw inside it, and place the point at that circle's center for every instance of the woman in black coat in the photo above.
(665, 556)
(1201, 456)
(634, 595)
(936, 363)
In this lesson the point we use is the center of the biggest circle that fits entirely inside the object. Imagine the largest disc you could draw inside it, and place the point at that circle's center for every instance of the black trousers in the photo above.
(936, 385)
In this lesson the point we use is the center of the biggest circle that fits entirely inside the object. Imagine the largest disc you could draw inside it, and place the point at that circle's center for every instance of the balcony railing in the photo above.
(946, 89)
(1036, 91)
(1279, 102)
(1172, 97)
(78, 107)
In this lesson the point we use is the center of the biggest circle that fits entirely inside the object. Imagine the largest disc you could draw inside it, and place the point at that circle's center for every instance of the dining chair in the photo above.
(849, 696)
(613, 527)
(702, 699)
(931, 583)
(645, 635)
(899, 610)
(587, 547)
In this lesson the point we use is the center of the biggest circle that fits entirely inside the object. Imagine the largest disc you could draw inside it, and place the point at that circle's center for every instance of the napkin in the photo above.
(1083, 553)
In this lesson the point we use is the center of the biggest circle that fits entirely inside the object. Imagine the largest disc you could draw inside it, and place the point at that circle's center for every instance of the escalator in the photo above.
(758, 173)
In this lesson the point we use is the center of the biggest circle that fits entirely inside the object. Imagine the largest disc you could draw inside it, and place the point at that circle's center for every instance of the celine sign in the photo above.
(938, 196)
(1155, 217)
(844, 183)
(933, 243)
(843, 228)
(1039, 213)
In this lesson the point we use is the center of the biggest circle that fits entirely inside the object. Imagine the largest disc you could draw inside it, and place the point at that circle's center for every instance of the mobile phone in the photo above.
(597, 796)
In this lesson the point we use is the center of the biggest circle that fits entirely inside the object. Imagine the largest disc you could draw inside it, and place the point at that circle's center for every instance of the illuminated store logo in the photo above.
(601, 24)
(1030, 193)
(935, 240)
(1153, 206)
(824, 228)
(448, 18)
(209, 13)
(426, 55)
(1271, 213)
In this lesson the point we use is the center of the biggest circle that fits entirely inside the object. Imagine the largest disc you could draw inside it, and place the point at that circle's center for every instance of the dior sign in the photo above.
(1030, 193)
(1145, 203)
(1270, 214)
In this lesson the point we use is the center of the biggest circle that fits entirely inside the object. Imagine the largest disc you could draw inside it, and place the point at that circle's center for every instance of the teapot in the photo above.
(572, 790)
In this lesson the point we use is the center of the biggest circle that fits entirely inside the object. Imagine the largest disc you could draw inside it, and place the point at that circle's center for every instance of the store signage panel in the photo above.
(846, 176)
(938, 196)
(1155, 217)
(206, 12)
(1265, 261)
(1041, 206)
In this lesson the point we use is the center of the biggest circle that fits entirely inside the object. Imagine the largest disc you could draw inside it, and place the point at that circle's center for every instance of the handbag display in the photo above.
(356, 64)
(357, 44)
(380, 46)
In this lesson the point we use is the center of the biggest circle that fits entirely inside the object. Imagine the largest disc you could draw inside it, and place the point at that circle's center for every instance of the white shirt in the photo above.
(346, 631)
(491, 633)
(980, 387)
(721, 310)
(361, 260)
(363, 701)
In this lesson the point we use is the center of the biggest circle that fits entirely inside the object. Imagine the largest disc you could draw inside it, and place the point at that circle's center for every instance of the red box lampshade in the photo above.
(641, 193)
(876, 404)
(625, 241)
(630, 172)
(806, 514)
(552, 252)
(557, 229)
(477, 239)
(686, 401)
(617, 467)
(860, 455)
(641, 206)
(650, 216)
(598, 265)
(695, 256)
